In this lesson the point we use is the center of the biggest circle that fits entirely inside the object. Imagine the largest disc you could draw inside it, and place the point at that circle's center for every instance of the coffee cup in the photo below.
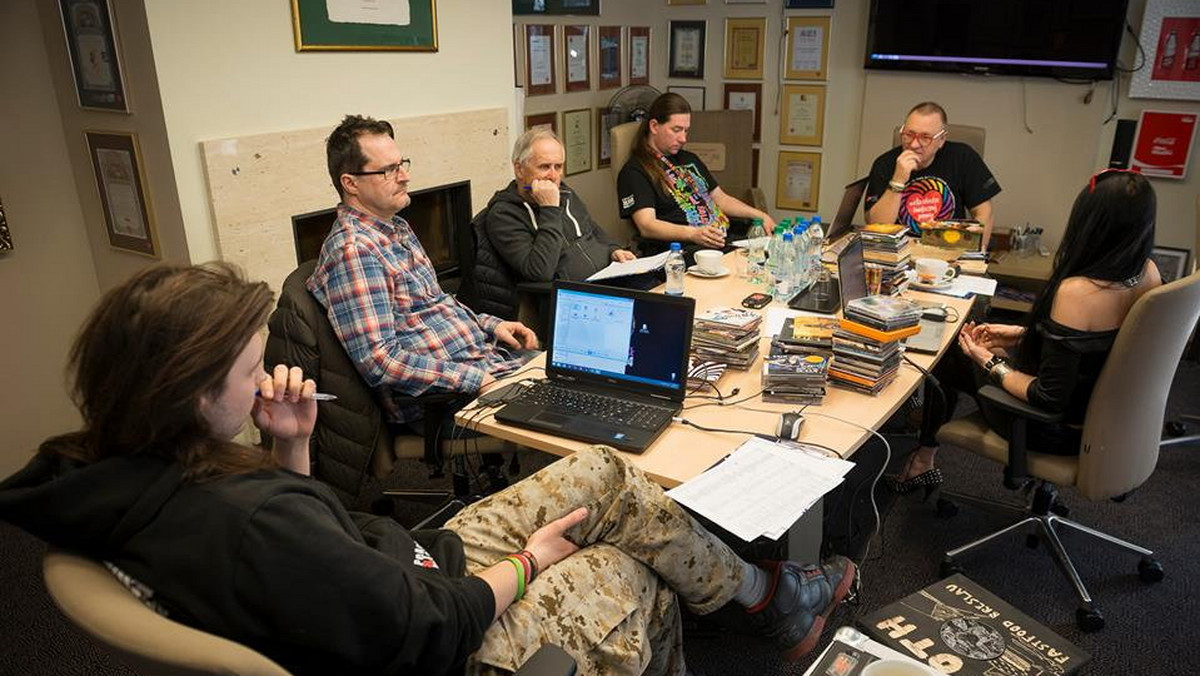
(934, 271)
(708, 261)
(895, 668)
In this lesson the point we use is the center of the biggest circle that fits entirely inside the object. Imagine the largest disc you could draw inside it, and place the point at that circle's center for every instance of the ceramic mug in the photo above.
(708, 261)
(895, 668)
(934, 272)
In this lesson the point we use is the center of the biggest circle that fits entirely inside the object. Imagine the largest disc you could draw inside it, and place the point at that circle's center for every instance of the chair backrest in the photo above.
(153, 645)
(621, 138)
(961, 133)
(1123, 426)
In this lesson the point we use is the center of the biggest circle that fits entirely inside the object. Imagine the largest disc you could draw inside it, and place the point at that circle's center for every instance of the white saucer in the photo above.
(695, 270)
(932, 287)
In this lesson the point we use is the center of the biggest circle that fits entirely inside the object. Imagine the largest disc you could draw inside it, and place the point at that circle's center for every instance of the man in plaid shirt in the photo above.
(402, 331)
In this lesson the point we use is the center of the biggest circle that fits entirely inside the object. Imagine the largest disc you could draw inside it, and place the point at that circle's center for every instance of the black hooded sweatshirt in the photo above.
(270, 559)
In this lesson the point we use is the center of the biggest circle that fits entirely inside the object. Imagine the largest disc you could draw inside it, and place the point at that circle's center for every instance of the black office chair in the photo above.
(1121, 434)
(498, 292)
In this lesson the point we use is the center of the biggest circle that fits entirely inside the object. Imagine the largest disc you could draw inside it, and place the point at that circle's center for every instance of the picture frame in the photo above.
(745, 47)
(798, 184)
(577, 141)
(1172, 262)
(639, 55)
(95, 58)
(606, 119)
(802, 115)
(808, 4)
(542, 120)
(754, 160)
(686, 52)
(549, 7)
(120, 179)
(6, 243)
(746, 96)
(577, 58)
(609, 51)
(807, 56)
(694, 94)
(539, 60)
(1162, 144)
(1165, 74)
(346, 26)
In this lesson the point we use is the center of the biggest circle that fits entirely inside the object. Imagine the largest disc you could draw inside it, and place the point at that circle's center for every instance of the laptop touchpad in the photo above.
(551, 419)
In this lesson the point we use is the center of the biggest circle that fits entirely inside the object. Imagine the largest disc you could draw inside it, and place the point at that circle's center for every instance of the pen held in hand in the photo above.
(317, 396)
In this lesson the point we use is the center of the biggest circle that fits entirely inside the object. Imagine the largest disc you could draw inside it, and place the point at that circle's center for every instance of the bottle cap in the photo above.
(787, 236)
(676, 246)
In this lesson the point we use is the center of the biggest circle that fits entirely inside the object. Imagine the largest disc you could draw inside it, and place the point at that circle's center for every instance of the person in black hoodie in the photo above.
(241, 542)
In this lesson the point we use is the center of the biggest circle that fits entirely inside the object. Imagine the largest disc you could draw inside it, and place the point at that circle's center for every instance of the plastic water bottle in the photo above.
(816, 238)
(675, 266)
(785, 268)
(757, 256)
(773, 239)
(800, 276)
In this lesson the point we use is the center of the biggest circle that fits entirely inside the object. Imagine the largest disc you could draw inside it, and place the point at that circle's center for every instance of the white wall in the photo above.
(49, 281)
(229, 68)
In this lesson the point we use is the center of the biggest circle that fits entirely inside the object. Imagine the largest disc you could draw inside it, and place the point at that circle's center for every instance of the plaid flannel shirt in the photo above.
(404, 333)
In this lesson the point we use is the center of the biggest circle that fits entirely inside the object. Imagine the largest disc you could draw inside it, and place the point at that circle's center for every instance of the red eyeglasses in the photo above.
(1095, 177)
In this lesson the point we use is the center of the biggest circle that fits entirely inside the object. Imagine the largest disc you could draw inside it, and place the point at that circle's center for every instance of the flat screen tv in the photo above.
(1076, 39)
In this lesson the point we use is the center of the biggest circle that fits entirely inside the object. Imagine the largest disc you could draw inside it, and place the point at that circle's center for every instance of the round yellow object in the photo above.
(951, 236)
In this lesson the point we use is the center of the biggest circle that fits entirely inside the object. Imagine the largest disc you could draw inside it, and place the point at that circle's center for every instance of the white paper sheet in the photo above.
(540, 72)
(962, 286)
(633, 267)
(380, 12)
(577, 58)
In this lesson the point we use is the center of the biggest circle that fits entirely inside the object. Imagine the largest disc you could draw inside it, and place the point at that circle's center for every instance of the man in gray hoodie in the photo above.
(538, 227)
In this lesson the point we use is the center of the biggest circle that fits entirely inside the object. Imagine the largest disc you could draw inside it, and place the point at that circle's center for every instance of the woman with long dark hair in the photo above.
(1053, 359)
(588, 554)
(668, 192)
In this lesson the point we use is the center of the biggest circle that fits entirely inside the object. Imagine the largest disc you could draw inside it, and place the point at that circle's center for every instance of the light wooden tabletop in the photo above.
(682, 452)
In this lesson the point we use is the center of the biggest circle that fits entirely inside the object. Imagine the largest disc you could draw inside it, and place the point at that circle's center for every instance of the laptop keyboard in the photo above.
(596, 406)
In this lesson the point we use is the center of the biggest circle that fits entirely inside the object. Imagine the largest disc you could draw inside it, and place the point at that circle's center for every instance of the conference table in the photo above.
(683, 452)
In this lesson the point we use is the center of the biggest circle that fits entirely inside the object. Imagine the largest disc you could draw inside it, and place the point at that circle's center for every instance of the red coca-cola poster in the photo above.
(1163, 143)
(1178, 53)
(1170, 37)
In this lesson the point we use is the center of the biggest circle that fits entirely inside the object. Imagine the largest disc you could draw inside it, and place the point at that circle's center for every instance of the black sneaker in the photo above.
(799, 601)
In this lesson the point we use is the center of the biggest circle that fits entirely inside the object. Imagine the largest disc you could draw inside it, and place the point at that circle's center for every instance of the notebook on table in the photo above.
(616, 366)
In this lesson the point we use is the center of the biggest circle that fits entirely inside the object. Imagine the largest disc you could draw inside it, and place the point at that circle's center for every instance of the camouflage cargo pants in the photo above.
(612, 605)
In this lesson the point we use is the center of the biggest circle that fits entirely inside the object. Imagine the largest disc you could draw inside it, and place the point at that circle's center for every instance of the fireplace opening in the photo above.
(440, 217)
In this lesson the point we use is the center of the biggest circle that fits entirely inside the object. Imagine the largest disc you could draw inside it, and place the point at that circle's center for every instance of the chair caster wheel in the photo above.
(949, 567)
(946, 509)
(1089, 619)
(1061, 510)
(1175, 428)
(1032, 541)
(1150, 570)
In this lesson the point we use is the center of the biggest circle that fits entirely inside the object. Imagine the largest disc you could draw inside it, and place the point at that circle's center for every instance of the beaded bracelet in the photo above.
(520, 566)
(533, 562)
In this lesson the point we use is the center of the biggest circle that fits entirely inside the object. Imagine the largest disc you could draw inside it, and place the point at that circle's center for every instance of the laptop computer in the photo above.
(616, 366)
(851, 283)
(843, 222)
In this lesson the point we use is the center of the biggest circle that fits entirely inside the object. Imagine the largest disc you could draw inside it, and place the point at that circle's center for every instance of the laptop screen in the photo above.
(852, 274)
(848, 208)
(632, 339)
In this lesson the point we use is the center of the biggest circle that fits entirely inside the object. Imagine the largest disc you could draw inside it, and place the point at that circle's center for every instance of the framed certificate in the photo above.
(606, 119)
(802, 115)
(577, 141)
(581, 7)
(799, 181)
(542, 121)
(746, 96)
(744, 48)
(807, 48)
(361, 25)
(610, 57)
(693, 94)
(687, 49)
(576, 51)
(92, 44)
(639, 55)
(117, 166)
(539, 59)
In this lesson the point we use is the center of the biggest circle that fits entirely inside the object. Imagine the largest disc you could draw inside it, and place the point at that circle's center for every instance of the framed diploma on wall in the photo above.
(799, 181)
(639, 55)
(606, 119)
(687, 49)
(744, 48)
(117, 166)
(693, 94)
(542, 121)
(539, 59)
(746, 96)
(802, 115)
(610, 57)
(354, 25)
(577, 141)
(577, 49)
(92, 44)
(807, 56)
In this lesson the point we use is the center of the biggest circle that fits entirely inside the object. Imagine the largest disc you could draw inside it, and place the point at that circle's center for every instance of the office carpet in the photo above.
(1151, 628)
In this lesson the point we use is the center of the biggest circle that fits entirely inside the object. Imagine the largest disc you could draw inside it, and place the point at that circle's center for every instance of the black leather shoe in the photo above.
(799, 601)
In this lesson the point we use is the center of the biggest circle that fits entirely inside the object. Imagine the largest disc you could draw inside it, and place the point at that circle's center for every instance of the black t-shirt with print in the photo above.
(956, 180)
(636, 190)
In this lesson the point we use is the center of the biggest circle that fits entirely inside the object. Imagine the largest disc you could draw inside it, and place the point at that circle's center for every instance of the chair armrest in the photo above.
(549, 660)
(535, 288)
(1006, 402)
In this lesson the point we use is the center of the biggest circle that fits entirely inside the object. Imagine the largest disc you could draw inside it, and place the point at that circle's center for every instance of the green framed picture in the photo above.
(354, 25)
